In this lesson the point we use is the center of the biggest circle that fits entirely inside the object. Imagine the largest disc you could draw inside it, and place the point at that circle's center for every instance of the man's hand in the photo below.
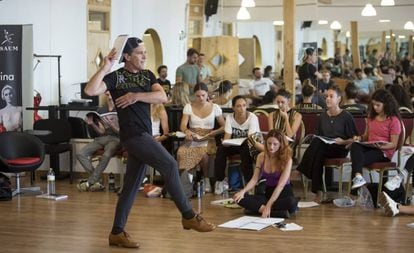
(126, 100)
(109, 61)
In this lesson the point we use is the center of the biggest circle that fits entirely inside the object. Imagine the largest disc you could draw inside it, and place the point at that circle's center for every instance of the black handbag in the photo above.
(5, 188)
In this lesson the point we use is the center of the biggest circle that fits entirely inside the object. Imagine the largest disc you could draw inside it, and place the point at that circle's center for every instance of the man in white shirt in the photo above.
(259, 85)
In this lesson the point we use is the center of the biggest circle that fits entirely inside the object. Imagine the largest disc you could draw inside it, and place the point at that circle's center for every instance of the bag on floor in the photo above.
(5, 188)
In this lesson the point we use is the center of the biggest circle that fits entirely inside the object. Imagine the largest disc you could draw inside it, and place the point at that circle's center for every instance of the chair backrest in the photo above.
(405, 109)
(79, 127)
(360, 124)
(310, 120)
(408, 123)
(60, 128)
(263, 117)
(18, 144)
(401, 141)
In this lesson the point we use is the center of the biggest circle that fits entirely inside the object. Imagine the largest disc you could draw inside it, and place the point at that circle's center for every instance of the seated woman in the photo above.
(224, 90)
(179, 95)
(200, 116)
(239, 124)
(274, 165)
(159, 120)
(307, 95)
(350, 104)
(334, 123)
(285, 119)
(383, 125)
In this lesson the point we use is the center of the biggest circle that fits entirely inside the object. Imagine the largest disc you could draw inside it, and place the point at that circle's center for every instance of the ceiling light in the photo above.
(278, 22)
(401, 36)
(243, 14)
(336, 25)
(384, 20)
(409, 26)
(369, 11)
(347, 34)
(387, 3)
(248, 3)
(323, 22)
(387, 36)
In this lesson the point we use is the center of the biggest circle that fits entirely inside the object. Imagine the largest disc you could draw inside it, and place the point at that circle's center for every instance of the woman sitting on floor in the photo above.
(200, 116)
(336, 124)
(274, 165)
(383, 125)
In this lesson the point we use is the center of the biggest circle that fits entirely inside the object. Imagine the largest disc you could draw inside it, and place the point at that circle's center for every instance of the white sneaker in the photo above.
(393, 183)
(389, 205)
(218, 189)
(358, 181)
(207, 185)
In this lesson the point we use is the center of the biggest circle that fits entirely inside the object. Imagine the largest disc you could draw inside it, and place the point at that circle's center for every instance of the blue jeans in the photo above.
(143, 150)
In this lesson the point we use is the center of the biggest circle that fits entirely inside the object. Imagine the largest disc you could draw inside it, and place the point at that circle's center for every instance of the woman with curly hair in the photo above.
(274, 166)
(383, 124)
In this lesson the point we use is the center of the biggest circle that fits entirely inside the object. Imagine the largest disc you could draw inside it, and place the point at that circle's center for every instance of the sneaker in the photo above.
(198, 223)
(390, 206)
(83, 186)
(219, 188)
(122, 240)
(358, 181)
(393, 183)
(96, 187)
(207, 185)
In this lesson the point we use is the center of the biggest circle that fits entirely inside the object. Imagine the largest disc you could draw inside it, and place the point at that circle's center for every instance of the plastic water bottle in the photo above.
(199, 197)
(51, 182)
(111, 182)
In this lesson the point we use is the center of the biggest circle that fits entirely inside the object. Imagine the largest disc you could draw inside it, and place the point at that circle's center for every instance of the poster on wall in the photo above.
(11, 78)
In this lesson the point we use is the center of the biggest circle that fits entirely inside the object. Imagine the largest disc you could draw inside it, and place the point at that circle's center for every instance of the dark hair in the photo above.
(192, 51)
(201, 54)
(268, 97)
(351, 91)
(401, 95)
(160, 68)
(390, 104)
(357, 70)
(368, 71)
(130, 45)
(309, 51)
(201, 86)
(284, 93)
(234, 100)
(267, 71)
(336, 89)
(224, 87)
(307, 90)
(254, 70)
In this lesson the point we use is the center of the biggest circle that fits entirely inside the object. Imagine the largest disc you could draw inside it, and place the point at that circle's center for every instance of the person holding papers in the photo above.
(273, 166)
(239, 125)
(197, 123)
(334, 123)
(382, 132)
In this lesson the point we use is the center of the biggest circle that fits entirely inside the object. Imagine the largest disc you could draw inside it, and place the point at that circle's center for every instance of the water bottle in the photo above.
(51, 182)
(111, 182)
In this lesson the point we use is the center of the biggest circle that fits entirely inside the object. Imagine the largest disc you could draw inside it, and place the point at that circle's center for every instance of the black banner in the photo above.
(11, 77)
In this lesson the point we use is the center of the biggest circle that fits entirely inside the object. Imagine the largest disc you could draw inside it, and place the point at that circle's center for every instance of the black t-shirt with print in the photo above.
(135, 119)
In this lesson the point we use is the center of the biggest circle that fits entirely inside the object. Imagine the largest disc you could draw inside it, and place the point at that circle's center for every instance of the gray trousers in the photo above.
(144, 150)
(110, 144)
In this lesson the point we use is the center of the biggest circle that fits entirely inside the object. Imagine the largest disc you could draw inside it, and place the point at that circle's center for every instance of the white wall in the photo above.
(59, 28)
(134, 17)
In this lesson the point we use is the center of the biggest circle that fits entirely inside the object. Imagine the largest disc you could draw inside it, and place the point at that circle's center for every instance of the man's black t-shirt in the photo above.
(135, 119)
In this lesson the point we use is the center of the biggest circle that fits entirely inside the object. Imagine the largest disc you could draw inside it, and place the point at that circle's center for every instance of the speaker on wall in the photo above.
(306, 24)
(210, 8)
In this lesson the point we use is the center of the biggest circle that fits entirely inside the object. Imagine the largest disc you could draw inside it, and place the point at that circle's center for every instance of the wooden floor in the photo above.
(82, 223)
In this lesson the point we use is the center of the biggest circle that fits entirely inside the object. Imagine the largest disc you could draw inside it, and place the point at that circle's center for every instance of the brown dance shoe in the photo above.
(198, 223)
(122, 240)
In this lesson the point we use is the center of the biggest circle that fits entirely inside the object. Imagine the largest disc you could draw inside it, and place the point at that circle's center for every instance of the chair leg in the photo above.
(71, 166)
(381, 179)
(305, 185)
(340, 181)
(323, 179)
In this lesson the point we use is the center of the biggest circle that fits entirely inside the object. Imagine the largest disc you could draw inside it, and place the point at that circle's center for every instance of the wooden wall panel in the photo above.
(247, 49)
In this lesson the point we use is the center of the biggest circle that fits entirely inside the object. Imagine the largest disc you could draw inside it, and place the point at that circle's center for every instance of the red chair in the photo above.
(20, 152)
(263, 117)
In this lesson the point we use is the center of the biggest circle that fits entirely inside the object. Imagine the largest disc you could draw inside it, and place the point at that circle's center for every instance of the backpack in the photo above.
(5, 188)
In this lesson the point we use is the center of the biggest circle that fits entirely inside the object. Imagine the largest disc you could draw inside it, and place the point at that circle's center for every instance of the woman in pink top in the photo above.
(383, 124)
